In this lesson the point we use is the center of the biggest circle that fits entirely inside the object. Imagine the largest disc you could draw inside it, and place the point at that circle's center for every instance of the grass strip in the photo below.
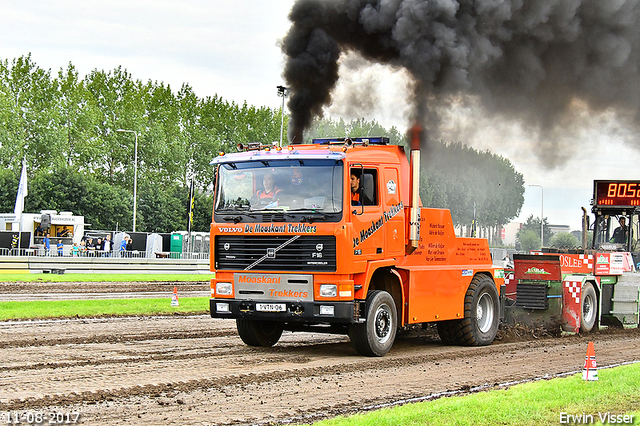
(109, 277)
(102, 307)
(567, 400)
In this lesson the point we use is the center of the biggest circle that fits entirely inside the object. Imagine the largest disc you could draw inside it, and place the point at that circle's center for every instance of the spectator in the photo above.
(47, 244)
(123, 246)
(74, 250)
(60, 247)
(91, 247)
(99, 247)
(107, 245)
(129, 247)
(83, 248)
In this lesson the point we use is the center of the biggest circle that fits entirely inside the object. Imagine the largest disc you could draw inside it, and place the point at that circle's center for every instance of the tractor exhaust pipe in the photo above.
(585, 228)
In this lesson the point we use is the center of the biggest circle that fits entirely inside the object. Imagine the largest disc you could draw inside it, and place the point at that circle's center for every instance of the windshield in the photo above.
(285, 186)
(614, 232)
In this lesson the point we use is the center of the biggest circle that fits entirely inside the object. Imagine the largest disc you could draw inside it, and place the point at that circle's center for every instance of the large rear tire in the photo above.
(481, 316)
(259, 333)
(589, 310)
(375, 337)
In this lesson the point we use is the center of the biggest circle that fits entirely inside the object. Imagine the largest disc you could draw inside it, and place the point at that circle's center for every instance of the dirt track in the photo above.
(195, 370)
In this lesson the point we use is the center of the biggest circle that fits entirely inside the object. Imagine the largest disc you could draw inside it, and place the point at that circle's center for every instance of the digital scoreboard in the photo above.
(616, 193)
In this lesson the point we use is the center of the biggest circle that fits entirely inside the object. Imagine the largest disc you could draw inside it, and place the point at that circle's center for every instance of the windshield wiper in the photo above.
(236, 214)
(307, 215)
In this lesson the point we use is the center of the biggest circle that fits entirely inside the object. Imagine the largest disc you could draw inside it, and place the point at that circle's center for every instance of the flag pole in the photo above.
(190, 219)
(22, 193)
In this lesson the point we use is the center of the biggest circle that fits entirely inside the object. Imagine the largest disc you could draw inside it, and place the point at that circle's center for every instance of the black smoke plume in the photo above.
(521, 59)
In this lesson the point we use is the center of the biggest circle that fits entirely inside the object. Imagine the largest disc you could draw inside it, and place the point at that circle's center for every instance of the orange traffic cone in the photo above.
(590, 371)
(174, 298)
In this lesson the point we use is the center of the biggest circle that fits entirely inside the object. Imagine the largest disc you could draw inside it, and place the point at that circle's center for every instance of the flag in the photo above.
(191, 200)
(22, 190)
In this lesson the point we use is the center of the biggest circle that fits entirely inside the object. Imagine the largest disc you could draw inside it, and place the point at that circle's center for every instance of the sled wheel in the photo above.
(589, 308)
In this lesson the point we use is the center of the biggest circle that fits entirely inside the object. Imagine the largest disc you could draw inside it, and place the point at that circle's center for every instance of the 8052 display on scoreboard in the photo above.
(617, 193)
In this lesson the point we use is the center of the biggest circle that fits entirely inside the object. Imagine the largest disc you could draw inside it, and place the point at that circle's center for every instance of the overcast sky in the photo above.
(230, 49)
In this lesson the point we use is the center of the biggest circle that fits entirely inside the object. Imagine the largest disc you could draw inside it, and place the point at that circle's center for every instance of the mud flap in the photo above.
(571, 303)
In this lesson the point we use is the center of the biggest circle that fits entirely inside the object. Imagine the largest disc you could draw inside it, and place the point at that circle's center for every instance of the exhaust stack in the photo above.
(414, 214)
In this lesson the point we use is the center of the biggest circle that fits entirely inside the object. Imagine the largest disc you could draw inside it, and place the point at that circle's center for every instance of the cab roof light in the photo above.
(371, 140)
(254, 146)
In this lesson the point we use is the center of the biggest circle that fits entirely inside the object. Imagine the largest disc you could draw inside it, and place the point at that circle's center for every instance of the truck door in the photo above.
(366, 213)
(393, 212)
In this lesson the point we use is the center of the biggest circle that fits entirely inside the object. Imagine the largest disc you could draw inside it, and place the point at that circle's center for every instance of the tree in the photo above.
(8, 190)
(529, 240)
(564, 240)
(533, 224)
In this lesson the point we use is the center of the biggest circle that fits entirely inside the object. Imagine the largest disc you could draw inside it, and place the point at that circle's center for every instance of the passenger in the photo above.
(358, 197)
(296, 178)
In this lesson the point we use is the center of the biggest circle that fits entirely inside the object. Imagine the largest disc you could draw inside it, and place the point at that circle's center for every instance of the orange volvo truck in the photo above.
(331, 237)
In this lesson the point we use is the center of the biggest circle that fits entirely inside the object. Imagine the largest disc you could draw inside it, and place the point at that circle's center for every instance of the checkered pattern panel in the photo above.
(587, 259)
(575, 288)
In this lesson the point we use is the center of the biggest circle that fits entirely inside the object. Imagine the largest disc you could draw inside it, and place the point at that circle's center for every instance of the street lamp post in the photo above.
(135, 175)
(541, 214)
(283, 92)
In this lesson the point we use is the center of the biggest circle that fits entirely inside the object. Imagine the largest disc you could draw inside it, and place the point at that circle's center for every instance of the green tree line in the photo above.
(65, 126)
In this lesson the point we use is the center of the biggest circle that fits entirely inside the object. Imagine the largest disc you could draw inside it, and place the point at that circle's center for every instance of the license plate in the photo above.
(271, 307)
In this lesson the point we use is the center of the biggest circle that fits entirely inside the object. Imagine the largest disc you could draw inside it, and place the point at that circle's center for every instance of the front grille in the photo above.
(276, 253)
(532, 296)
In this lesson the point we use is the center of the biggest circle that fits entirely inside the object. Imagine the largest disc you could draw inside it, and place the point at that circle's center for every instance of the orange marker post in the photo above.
(174, 298)
(590, 370)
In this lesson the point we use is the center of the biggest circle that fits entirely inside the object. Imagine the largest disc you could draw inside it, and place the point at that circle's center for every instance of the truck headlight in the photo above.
(328, 290)
(224, 289)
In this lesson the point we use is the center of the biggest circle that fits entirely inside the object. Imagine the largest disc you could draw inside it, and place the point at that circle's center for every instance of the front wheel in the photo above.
(589, 308)
(376, 336)
(259, 333)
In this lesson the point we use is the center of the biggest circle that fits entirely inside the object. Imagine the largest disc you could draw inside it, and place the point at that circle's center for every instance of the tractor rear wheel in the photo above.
(259, 333)
(481, 316)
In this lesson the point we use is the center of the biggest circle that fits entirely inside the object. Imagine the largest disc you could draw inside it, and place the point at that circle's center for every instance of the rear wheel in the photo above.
(481, 316)
(259, 333)
(589, 308)
(376, 336)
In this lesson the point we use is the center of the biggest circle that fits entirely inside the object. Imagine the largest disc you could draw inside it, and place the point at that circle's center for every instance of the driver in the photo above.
(621, 233)
(271, 191)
